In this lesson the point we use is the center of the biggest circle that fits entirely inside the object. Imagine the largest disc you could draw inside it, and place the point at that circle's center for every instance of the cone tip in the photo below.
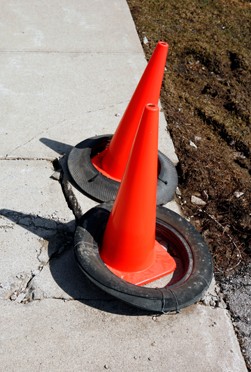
(152, 107)
(163, 43)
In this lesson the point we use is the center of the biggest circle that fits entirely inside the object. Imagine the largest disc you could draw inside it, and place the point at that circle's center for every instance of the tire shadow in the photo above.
(60, 276)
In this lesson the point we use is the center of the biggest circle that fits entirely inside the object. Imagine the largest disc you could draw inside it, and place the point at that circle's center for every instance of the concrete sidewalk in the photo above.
(68, 70)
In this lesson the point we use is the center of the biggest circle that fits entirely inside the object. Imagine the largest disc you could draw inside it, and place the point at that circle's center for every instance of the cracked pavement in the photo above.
(67, 71)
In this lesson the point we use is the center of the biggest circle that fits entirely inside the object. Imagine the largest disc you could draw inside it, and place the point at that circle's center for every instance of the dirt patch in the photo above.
(206, 100)
(206, 97)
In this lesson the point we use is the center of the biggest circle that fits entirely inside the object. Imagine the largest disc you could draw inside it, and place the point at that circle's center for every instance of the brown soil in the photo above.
(206, 100)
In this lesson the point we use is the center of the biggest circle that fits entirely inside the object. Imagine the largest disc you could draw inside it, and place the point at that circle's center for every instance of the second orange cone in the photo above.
(112, 161)
(129, 247)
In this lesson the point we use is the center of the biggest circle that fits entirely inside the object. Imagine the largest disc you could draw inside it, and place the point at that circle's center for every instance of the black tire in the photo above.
(191, 278)
(103, 189)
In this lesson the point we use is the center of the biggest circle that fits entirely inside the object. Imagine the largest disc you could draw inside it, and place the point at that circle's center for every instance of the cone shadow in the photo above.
(59, 147)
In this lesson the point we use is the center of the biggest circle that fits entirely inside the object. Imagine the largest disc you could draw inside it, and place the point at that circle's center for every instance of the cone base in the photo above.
(103, 188)
(163, 265)
(97, 163)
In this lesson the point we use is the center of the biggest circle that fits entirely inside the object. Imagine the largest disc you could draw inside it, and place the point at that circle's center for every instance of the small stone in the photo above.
(178, 192)
(197, 138)
(145, 40)
(56, 176)
(117, 115)
(238, 194)
(212, 303)
(106, 366)
(206, 301)
(197, 201)
(13, 297)
(20, 297)
(192, 144)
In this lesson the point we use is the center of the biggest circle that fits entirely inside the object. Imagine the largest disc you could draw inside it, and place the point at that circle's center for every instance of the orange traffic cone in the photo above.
(129, 247)
(112, 161)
